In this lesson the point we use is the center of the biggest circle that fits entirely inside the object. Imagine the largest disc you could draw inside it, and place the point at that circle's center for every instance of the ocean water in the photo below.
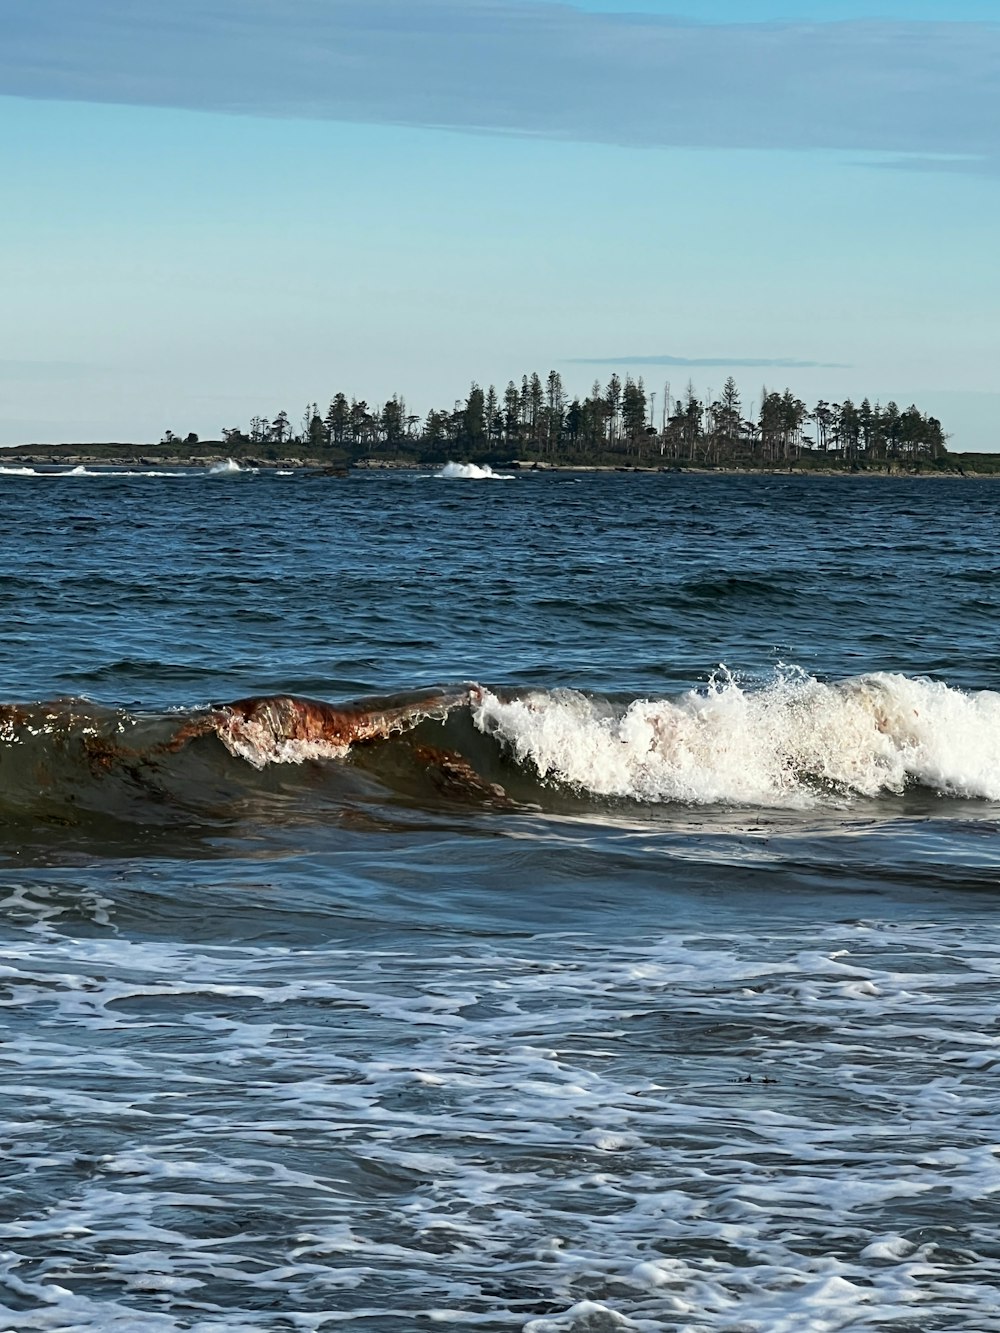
(613, 946)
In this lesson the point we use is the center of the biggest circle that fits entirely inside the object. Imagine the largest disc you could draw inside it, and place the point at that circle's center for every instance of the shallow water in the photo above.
(603, 989)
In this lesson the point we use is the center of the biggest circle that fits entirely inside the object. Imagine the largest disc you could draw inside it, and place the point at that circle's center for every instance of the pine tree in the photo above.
(613, 399)
(473, 420)
(511, 413)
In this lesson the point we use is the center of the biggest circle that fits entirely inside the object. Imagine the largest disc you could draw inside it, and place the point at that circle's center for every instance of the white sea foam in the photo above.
(227, 469)
(791, 742)
(472, 472)
(82, 471)
(570, 1135)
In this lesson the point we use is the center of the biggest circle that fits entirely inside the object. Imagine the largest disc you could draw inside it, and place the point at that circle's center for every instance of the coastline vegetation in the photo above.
(536, 424)
(615, 424)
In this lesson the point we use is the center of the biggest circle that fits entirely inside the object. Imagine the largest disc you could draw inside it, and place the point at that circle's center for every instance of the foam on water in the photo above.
(82, 471)
(793, 742)
(472, 472)
(706, 1131)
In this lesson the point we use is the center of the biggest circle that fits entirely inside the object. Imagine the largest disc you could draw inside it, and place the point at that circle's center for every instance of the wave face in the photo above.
(71, 756)
(794, 742)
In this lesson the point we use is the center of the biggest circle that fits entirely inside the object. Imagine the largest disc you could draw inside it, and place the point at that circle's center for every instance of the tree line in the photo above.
(537, 419)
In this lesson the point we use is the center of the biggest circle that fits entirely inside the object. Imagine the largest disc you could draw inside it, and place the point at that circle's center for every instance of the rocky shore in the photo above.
(63, 456)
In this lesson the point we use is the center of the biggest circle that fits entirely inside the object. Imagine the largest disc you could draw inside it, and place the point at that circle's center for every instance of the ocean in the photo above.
(612, 946)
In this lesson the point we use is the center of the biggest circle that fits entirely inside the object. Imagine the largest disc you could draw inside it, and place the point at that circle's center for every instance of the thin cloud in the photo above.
(531, 68)
(955, 166)
(736, 362)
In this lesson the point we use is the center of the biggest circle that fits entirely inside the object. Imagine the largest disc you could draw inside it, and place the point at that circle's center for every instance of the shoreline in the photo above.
(322, 466)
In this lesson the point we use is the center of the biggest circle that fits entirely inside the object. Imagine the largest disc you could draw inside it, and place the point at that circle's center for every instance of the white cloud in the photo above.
(525, 68)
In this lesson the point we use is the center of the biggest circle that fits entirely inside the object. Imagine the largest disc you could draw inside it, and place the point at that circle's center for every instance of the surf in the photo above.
(472, 472)
(789, 742)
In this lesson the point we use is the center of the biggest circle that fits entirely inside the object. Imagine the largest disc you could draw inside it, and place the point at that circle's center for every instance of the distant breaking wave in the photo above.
(472, 472)
(81, 471)
(222, 469)
(792, 742)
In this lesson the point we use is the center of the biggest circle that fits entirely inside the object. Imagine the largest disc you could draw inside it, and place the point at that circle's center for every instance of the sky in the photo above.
(214, 209)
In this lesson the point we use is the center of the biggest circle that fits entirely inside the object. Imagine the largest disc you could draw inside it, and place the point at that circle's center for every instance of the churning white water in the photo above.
(792, 742)
(472, 472)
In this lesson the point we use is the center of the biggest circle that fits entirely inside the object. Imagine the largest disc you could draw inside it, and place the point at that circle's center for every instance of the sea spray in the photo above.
(793, 741)
(472, 472)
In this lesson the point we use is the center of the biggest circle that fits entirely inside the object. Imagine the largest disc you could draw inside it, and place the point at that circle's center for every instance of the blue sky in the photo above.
(812, 11)
(220, 208)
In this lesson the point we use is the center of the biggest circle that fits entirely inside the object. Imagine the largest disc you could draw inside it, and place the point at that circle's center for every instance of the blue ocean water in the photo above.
(618, 950)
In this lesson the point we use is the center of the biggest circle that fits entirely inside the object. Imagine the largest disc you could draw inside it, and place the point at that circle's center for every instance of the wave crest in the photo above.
(284, 729)
(791, 743)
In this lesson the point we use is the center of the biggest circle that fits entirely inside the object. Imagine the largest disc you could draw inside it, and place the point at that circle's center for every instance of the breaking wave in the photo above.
(790, 742)
(472, 472)
(80, 470)
(793, 742)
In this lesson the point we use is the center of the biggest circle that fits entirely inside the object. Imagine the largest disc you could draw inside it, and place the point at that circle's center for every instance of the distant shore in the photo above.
(32, 458)
(149, 457)
(693, 469)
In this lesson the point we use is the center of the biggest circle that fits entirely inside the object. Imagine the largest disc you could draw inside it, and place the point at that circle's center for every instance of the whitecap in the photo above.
(81, 470)
(793, 741)
(472, 472)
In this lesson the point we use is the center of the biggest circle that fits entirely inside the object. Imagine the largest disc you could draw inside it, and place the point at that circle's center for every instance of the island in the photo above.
(536, 426)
